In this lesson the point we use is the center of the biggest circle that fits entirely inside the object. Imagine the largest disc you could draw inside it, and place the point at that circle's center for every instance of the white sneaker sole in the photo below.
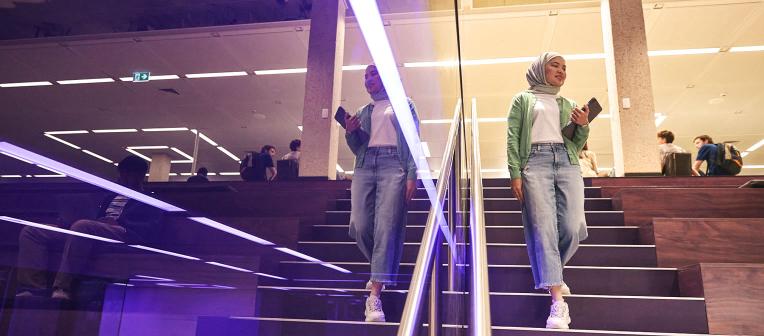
(553, 325)
(375, 318)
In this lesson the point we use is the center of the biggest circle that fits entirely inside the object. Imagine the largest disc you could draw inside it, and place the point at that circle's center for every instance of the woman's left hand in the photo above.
(410, 189)
(580, 116)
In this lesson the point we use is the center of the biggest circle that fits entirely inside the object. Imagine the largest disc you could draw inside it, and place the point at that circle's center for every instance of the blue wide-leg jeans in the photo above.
(553, 213)
(378, 211)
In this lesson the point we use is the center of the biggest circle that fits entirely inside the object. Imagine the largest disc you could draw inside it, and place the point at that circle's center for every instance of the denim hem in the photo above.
(384, 282)
(547, 285)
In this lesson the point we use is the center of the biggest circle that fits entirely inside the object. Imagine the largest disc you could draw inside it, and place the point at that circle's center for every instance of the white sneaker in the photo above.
(60, 294)
(559, 316)
(374, 311)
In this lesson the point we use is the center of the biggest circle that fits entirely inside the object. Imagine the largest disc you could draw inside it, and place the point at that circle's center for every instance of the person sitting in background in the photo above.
(588, 161)
(706, 152)
(201, 176)
(666, 146)
(120, 218)
(265, 170)
(294, 146)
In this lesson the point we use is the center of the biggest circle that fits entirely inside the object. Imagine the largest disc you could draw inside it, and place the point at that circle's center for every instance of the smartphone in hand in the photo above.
(340, 116)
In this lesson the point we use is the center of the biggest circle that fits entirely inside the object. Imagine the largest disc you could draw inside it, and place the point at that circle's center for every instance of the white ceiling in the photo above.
(226, 109)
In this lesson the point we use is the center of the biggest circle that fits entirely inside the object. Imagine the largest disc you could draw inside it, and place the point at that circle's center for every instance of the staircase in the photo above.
(617, 288)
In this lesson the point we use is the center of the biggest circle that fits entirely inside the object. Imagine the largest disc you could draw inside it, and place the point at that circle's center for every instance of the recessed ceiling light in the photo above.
(148, 147)
(120, 130)
(281, 71)
(354, 67)
(226, 152)
(62, 141)
(139, 155)
(182, 153)
(748, 48)
(755, 146)
(96, 156)
(697, 51)
(25, 84)
(85, 81)
(67, 132)
(217, 74)
(165, 129)
(339, 168)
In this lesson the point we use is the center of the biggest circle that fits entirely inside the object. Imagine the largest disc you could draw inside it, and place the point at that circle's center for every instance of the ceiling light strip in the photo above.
(67, 132)
(747, 48)
(675, 52)
(119, 130)
(755, 146)
(148, 147)
(281, 71)
(226, 152)
(25, 84)
(134, 152)
(165, 129)
(217, 74)
(85, 81)
(96, 156)
(182, 153)
(62, 141)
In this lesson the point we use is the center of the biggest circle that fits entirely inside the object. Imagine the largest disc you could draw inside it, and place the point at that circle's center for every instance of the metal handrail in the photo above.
(429, 247)
(479, 291)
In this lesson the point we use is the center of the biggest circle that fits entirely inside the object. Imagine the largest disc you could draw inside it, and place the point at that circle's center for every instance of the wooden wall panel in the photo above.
(733, 294)
(684, 241)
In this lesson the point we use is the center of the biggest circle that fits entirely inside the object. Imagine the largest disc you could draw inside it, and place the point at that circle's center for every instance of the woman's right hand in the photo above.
(517, 188)
(352, 123)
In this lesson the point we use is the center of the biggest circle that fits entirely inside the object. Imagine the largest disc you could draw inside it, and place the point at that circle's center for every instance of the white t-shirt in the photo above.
(382, 129)
(546, 120)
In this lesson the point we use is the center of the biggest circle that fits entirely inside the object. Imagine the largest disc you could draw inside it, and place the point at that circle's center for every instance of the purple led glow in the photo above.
(270, 276)
(370, 22)
(86, 177)
(309, 258)
(226, 228)
(229, 266)
(57, 229)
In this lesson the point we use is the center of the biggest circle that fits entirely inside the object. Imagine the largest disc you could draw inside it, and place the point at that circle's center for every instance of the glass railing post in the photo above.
(435, 290)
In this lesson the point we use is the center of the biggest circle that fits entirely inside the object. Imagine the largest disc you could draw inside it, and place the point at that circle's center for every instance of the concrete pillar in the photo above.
(159, 169)
(323, 83)
(630, 91)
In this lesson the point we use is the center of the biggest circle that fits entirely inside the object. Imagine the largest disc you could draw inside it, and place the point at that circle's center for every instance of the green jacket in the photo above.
(519, 123)
(358, 142)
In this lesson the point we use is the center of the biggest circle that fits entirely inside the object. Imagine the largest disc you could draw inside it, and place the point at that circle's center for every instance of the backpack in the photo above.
(728, 158)
(246, 167)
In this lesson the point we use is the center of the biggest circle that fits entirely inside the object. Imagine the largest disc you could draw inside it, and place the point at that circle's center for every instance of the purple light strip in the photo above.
(228, 229)
(86, 177)
(18, 152)
(57, 229)
(370, 22)
(270, 276)
(309, 258)
(229, 266)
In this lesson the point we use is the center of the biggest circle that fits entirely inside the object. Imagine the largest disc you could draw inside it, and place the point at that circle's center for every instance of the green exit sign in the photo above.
(141, 76)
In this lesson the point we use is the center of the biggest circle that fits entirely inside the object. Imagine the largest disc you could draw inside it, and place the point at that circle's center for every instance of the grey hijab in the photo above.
(536, 75)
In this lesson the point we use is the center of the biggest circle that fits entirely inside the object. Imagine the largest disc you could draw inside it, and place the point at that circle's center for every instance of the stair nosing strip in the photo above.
(487, 227)
(626, 268)
(404, 291)
(488, 244)
(456, 326)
